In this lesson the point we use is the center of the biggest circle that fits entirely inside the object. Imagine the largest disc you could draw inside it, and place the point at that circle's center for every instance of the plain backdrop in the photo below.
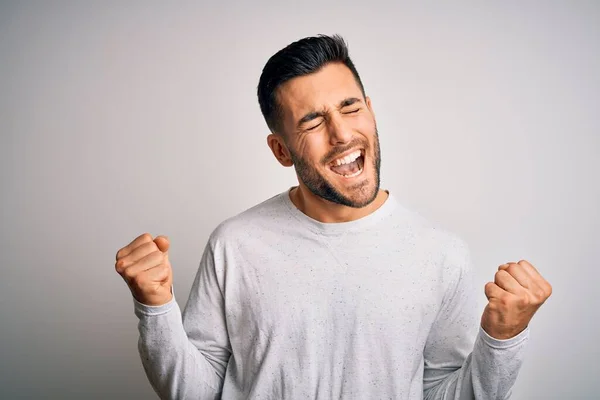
(119, 118)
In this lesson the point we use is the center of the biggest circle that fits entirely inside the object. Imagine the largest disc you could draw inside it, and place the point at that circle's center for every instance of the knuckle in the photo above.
(119, 267)
(500, 275)
(130, 274)
(122, 265)
(146, 237)
(523, 301)
(540, 294)
(513, 268)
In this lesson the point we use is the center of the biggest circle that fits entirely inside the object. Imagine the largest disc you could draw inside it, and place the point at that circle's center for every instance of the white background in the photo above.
(118, 118)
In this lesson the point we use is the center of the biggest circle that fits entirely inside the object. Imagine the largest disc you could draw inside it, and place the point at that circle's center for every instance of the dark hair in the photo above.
(302, 57)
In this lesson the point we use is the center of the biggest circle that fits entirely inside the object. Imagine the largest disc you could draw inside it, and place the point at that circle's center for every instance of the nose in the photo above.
(339, 131)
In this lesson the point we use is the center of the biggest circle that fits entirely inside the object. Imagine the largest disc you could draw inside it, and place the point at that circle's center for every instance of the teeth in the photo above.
(348, 159)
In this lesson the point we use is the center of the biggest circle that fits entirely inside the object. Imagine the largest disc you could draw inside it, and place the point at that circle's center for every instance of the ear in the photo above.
(369, 106)
(279, 149)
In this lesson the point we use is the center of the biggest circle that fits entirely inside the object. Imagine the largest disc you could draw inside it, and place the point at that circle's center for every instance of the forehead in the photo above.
(324, 88)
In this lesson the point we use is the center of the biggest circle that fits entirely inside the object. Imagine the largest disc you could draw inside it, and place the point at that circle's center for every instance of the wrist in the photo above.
(502, 334)
(154, 300)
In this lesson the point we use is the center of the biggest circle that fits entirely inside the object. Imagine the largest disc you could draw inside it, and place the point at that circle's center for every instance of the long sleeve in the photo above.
(186, 357)
(462, 362)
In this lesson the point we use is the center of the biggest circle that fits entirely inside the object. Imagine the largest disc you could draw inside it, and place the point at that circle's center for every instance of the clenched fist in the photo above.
(515, 295)
(144, 264)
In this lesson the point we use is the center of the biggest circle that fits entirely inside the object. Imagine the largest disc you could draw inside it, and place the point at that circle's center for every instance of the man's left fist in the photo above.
(515, 295)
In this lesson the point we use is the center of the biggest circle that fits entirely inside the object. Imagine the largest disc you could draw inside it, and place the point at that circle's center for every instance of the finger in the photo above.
(150, 261)
(527, 266)
(493, 291)
(125, 251)
(542, 288)
(503, 266)
(536, 279)
(520, 274)
(537, 284)
(136, 255)
(507, 282)
(162, 242)
(159, 273)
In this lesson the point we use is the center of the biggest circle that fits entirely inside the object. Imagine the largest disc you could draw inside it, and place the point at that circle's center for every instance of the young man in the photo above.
(331, 289)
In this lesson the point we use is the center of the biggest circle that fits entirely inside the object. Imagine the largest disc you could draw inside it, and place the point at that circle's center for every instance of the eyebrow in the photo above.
(316, 114)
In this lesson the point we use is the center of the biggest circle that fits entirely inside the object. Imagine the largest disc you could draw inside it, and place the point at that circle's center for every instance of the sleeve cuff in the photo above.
(142, 309)
(505, 343)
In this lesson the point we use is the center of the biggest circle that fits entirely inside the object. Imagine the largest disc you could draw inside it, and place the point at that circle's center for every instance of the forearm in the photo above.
(488, 373)
(173, 365)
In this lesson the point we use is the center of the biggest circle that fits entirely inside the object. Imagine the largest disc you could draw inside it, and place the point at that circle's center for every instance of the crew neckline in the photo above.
(333, 228)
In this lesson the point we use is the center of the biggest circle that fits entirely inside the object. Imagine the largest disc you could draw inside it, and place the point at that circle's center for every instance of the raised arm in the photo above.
(181, 360)
(462, 360)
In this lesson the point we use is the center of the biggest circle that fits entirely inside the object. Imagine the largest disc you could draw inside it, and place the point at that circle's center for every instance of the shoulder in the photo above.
(249, 221)
(431, 233)
(444, 249)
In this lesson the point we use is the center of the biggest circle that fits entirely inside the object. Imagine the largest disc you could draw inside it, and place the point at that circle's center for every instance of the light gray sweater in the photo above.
(286, 307)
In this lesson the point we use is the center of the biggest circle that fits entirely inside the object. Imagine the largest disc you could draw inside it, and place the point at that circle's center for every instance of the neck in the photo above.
(328, 212)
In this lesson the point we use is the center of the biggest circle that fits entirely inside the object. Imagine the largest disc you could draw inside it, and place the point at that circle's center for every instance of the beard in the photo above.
(320, 186)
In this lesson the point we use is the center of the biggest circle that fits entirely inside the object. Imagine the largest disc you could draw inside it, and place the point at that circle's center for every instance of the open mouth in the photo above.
(350, 165)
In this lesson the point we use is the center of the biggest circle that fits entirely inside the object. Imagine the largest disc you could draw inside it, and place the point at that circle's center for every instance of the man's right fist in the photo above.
(144, 264)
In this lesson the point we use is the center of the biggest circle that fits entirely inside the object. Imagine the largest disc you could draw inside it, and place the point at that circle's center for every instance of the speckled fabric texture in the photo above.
(286, 307)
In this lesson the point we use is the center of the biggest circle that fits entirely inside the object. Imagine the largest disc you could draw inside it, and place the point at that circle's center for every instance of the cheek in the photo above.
(311, 149)
(369, 132)
(366, 126)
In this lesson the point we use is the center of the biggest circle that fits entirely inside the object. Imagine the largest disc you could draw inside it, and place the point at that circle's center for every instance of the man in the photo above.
(331, 289)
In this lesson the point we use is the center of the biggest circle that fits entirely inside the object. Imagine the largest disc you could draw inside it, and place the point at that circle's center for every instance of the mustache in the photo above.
(336, 152)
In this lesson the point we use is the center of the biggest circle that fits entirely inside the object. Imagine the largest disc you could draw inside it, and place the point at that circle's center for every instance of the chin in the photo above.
(359, 195)
(364, 198)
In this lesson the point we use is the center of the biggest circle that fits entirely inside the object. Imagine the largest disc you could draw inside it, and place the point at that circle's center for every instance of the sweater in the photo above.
(286, 307)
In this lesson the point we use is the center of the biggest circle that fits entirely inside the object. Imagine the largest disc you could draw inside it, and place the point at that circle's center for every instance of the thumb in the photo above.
(162, 242)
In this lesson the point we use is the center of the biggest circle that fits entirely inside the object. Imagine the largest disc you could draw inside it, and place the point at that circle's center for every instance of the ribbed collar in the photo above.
(336, 228)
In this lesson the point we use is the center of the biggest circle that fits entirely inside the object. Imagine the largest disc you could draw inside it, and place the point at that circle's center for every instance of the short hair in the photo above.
(299, 58)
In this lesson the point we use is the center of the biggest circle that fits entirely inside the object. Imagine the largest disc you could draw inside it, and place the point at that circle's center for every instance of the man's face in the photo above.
(330, 132)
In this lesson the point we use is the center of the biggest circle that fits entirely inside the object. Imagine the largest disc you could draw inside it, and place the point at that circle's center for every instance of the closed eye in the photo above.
(353, 111)
(314, 127)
